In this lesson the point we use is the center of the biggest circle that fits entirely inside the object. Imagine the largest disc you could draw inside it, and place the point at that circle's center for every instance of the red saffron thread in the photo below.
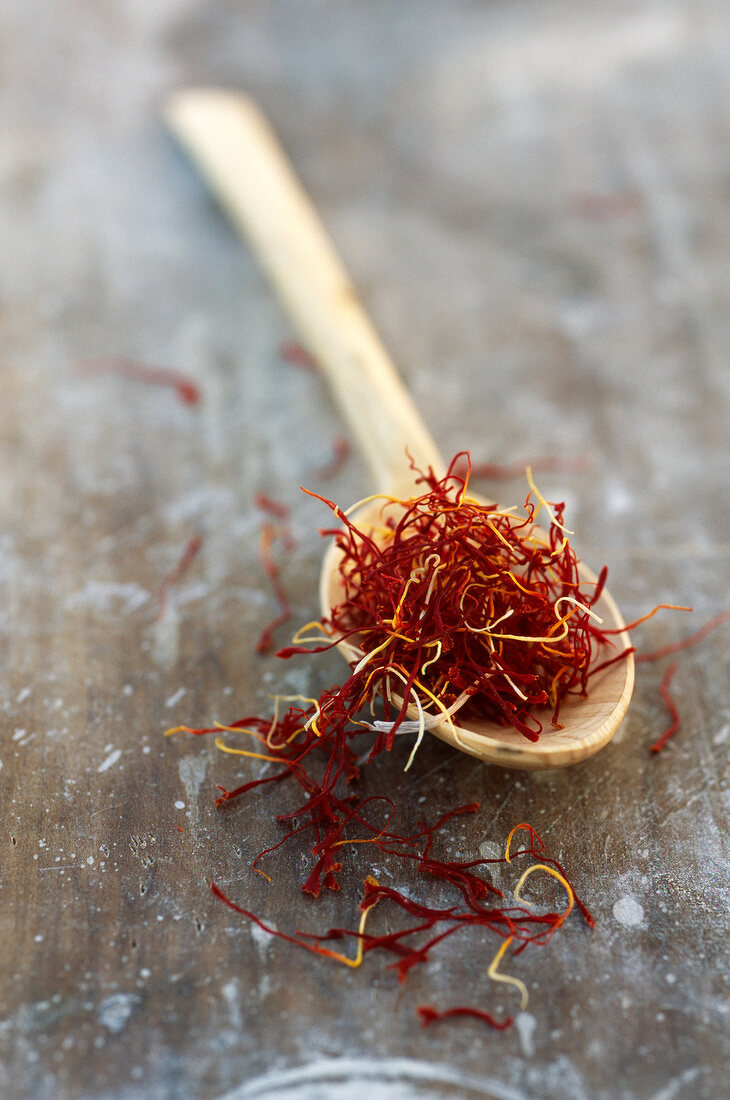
(429, 1015)
(268, 534)
(187, 390)
(671, 707)
(186, 559)
(668, 651)
(603, 207)
(685, 643)
(544, 464)
(298, 356)
(273, 507)
(340, 455)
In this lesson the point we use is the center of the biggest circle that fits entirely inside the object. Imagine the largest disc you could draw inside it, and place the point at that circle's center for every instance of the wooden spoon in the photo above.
(248, 171)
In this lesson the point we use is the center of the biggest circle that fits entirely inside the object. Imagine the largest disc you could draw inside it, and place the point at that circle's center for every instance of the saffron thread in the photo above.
(191, 551)
(298, 356)
(340, 455)
(186, 389)
(671, 707)
(685, 643)
(428, 1015)
(274, 507)
(269, 534)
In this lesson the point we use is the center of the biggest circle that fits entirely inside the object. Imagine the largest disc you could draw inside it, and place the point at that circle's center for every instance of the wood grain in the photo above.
(533, 201)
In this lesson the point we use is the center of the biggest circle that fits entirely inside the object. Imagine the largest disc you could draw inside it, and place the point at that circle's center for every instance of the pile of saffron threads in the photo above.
(458, 608)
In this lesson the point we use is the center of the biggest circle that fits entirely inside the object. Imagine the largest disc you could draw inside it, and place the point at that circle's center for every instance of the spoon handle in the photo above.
(246, 168)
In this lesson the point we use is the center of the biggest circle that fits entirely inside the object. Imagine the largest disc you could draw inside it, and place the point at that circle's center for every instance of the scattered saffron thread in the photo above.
(544, 464)
(187, 390)
(326, 729)
(186, 559)
(273, 507)
(269, 533)
(429, 1015)
(298, 938)
(340, 455)
(668, 651)
(412, 945)
(556, 874)
(507, 978)
(603, 207)
(685, 643)
(649, 615)
(298, 356)
(671, 707)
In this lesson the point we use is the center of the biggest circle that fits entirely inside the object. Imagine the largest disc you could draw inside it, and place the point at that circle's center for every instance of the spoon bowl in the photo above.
(247, 169)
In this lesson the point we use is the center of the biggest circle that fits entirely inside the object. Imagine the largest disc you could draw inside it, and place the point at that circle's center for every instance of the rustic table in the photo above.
(533, 200)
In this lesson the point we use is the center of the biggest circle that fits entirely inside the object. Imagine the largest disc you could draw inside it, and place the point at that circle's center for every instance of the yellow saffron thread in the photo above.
(220, 744)
(353, 963)
(561, 879)
(516, 829)
(543, 503)
(492, 973)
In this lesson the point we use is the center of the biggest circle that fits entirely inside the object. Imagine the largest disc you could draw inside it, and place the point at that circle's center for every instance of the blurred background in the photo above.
(532, 199)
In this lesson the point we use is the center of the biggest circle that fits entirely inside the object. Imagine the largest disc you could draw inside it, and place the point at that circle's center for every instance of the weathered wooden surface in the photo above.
(533, 201)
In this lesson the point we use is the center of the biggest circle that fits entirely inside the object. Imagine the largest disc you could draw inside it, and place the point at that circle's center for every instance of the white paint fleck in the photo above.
(144, 972)
(525, 1023)
(261, 938)
(127, 689)
(672, 1089)
(38, 938)
(722, 735)
(628, 911)
(618, 500)
(166, 637)
(179, 805)
(176, 697)
(23, 695)
(670, 979)
(115, 1011)
(232, 996)
(18, 734)
(146, 750)
(90, 860)
(110, 760)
